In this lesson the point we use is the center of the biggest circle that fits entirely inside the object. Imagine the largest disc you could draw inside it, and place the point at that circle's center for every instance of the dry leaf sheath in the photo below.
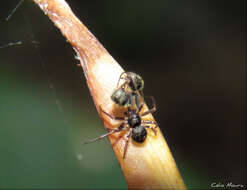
(147, 165)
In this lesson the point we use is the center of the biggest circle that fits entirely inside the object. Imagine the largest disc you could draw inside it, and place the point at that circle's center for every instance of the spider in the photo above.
(131, 88)
(133, 123)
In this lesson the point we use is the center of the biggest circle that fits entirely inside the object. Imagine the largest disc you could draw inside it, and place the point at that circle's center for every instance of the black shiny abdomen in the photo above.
(139, 134)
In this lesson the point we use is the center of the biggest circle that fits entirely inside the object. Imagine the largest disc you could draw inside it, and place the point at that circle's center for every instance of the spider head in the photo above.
(134, 119)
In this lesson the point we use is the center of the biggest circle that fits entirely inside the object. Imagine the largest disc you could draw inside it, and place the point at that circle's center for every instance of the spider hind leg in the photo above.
(111, 131)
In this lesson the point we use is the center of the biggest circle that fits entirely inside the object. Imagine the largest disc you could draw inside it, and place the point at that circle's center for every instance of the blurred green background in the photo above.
(192, 56)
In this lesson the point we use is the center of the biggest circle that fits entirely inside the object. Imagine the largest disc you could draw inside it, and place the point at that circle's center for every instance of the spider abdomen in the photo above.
(139, 134)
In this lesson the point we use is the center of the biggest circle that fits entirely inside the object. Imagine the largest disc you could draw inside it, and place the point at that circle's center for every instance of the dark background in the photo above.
(192, 56)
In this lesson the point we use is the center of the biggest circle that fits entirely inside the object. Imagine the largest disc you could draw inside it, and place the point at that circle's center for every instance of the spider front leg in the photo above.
(141, 106)
(151, 110)
(136, 96)
(111, 131)
(152, 123)
(112, 117)
(121, 78)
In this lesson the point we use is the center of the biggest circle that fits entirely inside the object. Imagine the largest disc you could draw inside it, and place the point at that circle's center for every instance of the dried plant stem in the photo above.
(148, 165)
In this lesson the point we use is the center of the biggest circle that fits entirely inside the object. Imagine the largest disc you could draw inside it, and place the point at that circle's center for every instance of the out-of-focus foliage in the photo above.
(41, 147)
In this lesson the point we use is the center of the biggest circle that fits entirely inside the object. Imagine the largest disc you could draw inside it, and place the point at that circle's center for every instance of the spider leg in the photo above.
(127, 142)
(141, 93)
(112, 117)
(121, 78)
(135, 95)
(123, 84)
(150, 122)
(141, 106)
(151, 110)
(111, 131)
(153, 129)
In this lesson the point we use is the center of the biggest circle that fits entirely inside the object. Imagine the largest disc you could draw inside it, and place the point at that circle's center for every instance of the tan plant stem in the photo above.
(147, 165)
